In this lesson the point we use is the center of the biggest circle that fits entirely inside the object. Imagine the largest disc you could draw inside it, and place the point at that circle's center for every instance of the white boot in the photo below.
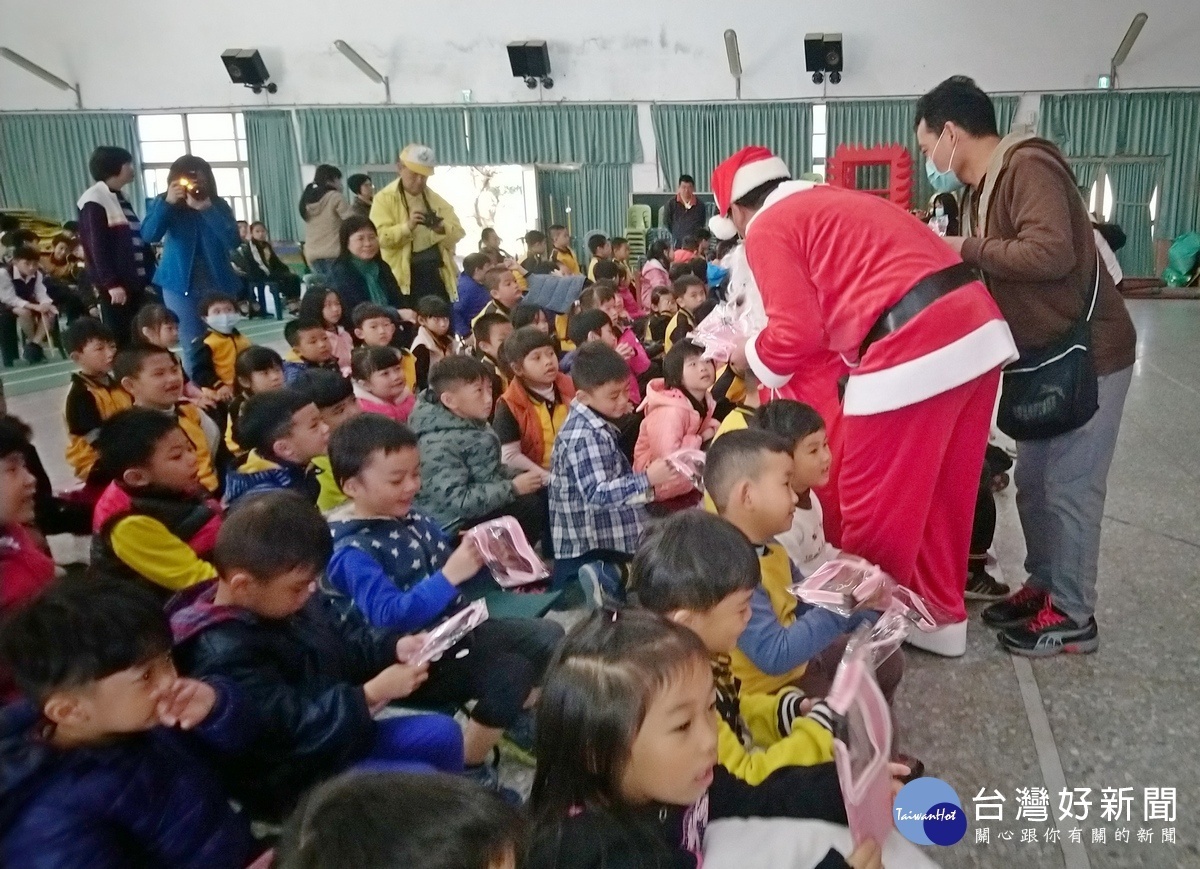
(949, 641)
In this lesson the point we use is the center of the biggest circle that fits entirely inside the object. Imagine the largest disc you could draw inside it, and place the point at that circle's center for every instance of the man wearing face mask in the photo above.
(851, 283)
(1027, 229)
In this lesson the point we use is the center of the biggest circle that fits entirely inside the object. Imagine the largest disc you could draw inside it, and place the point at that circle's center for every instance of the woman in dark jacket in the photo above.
(360, 275)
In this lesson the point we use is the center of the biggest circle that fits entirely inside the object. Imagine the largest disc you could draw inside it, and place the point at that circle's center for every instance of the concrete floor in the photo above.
(1124, 717)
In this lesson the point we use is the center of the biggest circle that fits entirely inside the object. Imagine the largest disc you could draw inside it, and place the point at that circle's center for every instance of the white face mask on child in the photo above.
(223, 323)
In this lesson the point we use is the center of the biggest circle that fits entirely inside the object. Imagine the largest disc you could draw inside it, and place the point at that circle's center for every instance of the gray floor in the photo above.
(1122, 718)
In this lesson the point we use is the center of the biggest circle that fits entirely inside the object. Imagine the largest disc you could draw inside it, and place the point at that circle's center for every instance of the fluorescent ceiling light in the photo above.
(365, 68)
(41, 72)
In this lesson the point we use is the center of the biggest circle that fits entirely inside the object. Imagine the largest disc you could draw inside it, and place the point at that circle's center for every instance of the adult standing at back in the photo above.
(117, 262)
(199, 235)
(323, 208)
(362, 191)
(418, 229)
(685, 214)
(1028, 230)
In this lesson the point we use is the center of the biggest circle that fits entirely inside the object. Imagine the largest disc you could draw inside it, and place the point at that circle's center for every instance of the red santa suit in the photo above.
(913, 426)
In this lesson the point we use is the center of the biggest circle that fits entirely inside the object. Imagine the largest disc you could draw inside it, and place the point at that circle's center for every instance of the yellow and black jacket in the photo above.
(214, 356)
(191, 420)
(760, 733)
(680, 327)
(90, 401)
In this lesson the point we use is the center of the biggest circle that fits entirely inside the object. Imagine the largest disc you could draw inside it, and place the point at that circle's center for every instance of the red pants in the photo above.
(908, 483)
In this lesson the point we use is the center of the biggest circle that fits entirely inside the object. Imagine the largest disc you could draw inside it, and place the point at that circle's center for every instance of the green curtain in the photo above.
(1006, 112)
(1136, 124)
(598, 198)
(362, 136)
(554, 134)
(1085, 173)
(693, 138)
(1133, 183)
(44, 158)
(275, 177)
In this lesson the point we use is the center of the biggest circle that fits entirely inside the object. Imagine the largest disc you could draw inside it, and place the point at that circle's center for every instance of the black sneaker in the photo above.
(1052, 632)
(981, 585)
(1017, 610)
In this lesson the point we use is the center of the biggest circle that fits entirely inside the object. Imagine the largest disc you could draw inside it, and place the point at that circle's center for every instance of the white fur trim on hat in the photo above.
(754, 174)
(722, 227)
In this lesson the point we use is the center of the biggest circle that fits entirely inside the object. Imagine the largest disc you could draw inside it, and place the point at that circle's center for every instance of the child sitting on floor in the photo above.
(597, 501)
(609, 301)
(284, 432)
(108, 756)
(334, 397)
(215, 352)
(504, 290)
(490, 331)
(473, 296)
(434, 340)
(403, 574)
(379, 382)
(326, 306)
(94, 396)
(663, 311)
(465, 481)
(315, 676)
(678, 416)
(627, 748)
(689, 294)
(258, 369)
(311, 348)
(155, 522)
(532, 410)
(158, 325)
(352, 821)
(153, 377)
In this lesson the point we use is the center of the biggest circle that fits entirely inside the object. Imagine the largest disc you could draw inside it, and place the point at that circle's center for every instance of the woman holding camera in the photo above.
(198, 234)
(323, 208)
(418, 229)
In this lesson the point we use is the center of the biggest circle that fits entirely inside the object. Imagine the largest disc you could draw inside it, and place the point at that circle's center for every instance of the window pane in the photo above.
(162, 152)
(229, 182)
(818, 115)
(1109, 204)
(239, 120)
(160, 128)
(214, 126)
(819, 145)
(1154, 206)
(223, 151)
(242, 156)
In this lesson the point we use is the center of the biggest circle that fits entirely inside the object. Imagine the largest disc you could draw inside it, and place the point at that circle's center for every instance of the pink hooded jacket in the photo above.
(671, 424)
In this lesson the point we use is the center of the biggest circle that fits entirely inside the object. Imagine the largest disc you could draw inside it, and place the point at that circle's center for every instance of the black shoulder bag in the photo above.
(1054, 390)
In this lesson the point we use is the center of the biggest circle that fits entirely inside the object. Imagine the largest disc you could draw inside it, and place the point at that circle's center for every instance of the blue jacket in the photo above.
(391, 569)
(260, 474)
(148, 800)
(186, 233)
(472, 298)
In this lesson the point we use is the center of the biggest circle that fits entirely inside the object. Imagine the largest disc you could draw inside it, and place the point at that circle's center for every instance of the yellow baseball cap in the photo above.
(418, 158)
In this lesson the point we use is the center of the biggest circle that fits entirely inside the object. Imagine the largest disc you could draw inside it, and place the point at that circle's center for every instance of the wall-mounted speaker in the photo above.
(529, 59)
(245, 66)
(832, 52)
(814, 52)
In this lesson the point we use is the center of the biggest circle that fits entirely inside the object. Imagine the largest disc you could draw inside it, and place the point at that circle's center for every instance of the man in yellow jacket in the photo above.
(418, 229)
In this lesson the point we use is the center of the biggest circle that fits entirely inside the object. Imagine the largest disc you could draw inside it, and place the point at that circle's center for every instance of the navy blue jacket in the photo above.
(304, 676)
(147, 800)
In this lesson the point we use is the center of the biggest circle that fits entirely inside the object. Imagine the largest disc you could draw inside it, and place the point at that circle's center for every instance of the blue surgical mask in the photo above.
(223, 323)
(943, 182)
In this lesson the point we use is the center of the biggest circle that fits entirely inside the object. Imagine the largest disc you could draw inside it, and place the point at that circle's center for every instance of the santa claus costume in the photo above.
(850, 282)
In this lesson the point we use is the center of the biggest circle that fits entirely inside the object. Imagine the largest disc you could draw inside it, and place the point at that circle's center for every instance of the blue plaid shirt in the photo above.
(592, 488)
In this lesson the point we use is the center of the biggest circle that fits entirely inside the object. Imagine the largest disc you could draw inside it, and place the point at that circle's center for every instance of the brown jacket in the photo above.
(1039, 258)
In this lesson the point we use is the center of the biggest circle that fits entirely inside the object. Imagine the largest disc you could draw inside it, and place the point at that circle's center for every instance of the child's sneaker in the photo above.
(1017, 610)
(487, 776)
(981, 585)
(519, 740)
(1052, 632)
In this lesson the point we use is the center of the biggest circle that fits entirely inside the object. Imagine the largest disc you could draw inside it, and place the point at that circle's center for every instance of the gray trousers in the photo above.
(1061, 485)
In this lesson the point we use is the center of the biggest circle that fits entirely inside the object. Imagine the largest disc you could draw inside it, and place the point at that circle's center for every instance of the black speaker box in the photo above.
(832, 54)
(245, 66)
(529, 59)
(814, 52)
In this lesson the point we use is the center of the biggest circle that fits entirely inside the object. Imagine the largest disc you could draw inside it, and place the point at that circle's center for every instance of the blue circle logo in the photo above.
(927, 811)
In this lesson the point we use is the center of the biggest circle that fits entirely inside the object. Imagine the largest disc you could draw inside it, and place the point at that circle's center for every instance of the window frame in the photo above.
(244, 204)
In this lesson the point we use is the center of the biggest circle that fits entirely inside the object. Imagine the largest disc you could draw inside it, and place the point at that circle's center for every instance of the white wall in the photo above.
(148, 54)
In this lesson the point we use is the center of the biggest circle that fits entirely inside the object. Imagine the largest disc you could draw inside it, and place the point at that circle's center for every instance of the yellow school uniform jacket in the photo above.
(566, 260)
(149, 549)
(216, 355)
(331, 493)
(492, 307)
(189, 417)
(90, 401)
(776, 580)
(760, 733)
(680, 327)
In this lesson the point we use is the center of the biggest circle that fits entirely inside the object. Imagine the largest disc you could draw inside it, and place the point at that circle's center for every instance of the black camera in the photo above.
(433, 221)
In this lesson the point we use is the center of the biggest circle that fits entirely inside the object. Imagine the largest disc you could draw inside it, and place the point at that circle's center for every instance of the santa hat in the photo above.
(750, 167)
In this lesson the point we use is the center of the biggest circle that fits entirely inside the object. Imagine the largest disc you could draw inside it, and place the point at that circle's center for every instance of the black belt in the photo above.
(925, 293)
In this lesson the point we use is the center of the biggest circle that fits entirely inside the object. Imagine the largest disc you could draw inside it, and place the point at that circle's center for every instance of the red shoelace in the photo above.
(1047, 617)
